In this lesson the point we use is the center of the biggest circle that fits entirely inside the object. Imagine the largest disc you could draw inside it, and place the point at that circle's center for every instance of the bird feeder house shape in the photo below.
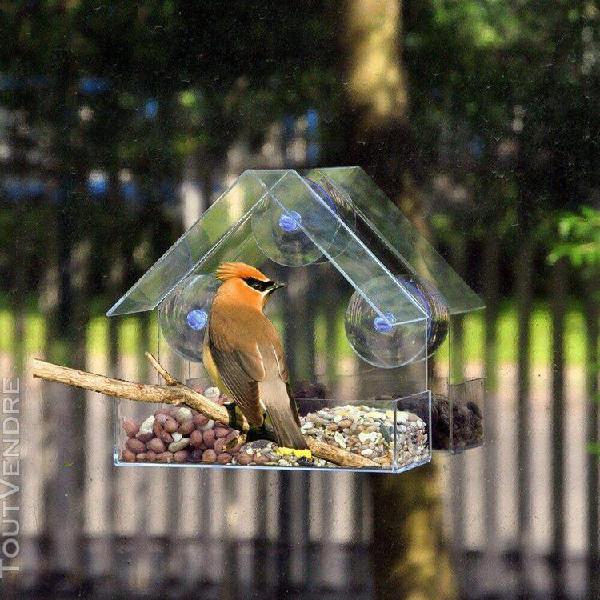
(382, 361)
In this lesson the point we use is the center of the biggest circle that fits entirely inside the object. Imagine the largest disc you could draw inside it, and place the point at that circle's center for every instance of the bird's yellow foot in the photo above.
(299, 453)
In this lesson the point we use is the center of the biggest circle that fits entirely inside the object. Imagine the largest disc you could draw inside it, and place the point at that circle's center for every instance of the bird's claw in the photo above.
(234, 421)
(235, 442)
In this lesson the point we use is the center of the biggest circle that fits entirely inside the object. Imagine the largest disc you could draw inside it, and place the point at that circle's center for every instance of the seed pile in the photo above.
(181, 435)
(370, 432)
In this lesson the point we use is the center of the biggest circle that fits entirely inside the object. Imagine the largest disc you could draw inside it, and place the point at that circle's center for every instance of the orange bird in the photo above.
(243, 354)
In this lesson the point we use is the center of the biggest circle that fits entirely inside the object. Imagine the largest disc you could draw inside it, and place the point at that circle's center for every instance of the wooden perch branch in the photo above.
(175, 392)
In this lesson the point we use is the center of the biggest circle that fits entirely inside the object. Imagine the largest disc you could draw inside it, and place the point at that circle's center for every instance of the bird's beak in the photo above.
(274, 286)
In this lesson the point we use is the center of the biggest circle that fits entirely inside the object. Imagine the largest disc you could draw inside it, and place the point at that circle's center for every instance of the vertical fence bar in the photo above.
(524, 293)
(592, 366)
(558, 305)
(456, 368)
(146, 561)
(111, 484)
(539, 545)
(491, 288)
(243, 507)
(506, 446)
(65, 507)
(298, 516)
(98, 459)
(12, 487)
(339, 529)
(171, 579)
(575, 455)
(156, 502)
(129, 505)
(32, 493)
(271, 524)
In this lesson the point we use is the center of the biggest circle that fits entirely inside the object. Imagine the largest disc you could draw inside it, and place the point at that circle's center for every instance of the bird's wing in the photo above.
(240, 369)
(283, 373)
(275, 395)
(293, 403)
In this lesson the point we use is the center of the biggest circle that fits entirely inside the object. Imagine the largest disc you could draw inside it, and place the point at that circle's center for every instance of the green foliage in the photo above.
(593, 447)
(502, 99)
(579, 238)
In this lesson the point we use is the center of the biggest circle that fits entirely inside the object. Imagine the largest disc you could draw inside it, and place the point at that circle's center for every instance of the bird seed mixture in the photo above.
(181, 435)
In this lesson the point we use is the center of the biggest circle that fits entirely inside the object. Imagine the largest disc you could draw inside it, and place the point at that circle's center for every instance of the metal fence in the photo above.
(521, 513)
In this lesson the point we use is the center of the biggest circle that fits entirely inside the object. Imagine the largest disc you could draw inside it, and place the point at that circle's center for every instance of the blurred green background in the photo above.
(121, 122)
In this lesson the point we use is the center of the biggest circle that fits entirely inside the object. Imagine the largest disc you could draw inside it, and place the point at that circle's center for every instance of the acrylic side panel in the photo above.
(458, 386)
(465, 380)
(412, 443)
(466, 402)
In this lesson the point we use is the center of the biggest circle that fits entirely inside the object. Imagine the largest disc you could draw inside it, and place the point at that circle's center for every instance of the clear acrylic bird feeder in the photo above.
(371, 320)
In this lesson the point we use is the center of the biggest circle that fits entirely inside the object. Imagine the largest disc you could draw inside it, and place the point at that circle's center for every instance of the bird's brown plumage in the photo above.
(243, 353)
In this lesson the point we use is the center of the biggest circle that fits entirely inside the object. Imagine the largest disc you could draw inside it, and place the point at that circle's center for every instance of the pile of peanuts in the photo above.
(181, 435)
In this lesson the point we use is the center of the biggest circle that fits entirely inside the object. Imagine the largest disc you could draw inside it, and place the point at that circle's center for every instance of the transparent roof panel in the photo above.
(327, 227)
(335, 215)
(192, 247)
(398, 238)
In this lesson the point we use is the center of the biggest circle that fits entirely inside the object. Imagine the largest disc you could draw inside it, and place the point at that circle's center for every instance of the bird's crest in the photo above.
(229, 270)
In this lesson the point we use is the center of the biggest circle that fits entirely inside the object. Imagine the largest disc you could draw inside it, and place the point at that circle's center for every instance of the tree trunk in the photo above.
(409, 557)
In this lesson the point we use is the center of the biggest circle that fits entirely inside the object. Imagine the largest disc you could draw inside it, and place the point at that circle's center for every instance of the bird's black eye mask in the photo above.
(257, 284)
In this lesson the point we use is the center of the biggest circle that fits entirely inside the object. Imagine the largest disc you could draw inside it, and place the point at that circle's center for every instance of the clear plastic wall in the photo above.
(457, 386)
(359, 323)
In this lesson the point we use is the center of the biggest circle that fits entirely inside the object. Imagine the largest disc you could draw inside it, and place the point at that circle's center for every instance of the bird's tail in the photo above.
(281, 412)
